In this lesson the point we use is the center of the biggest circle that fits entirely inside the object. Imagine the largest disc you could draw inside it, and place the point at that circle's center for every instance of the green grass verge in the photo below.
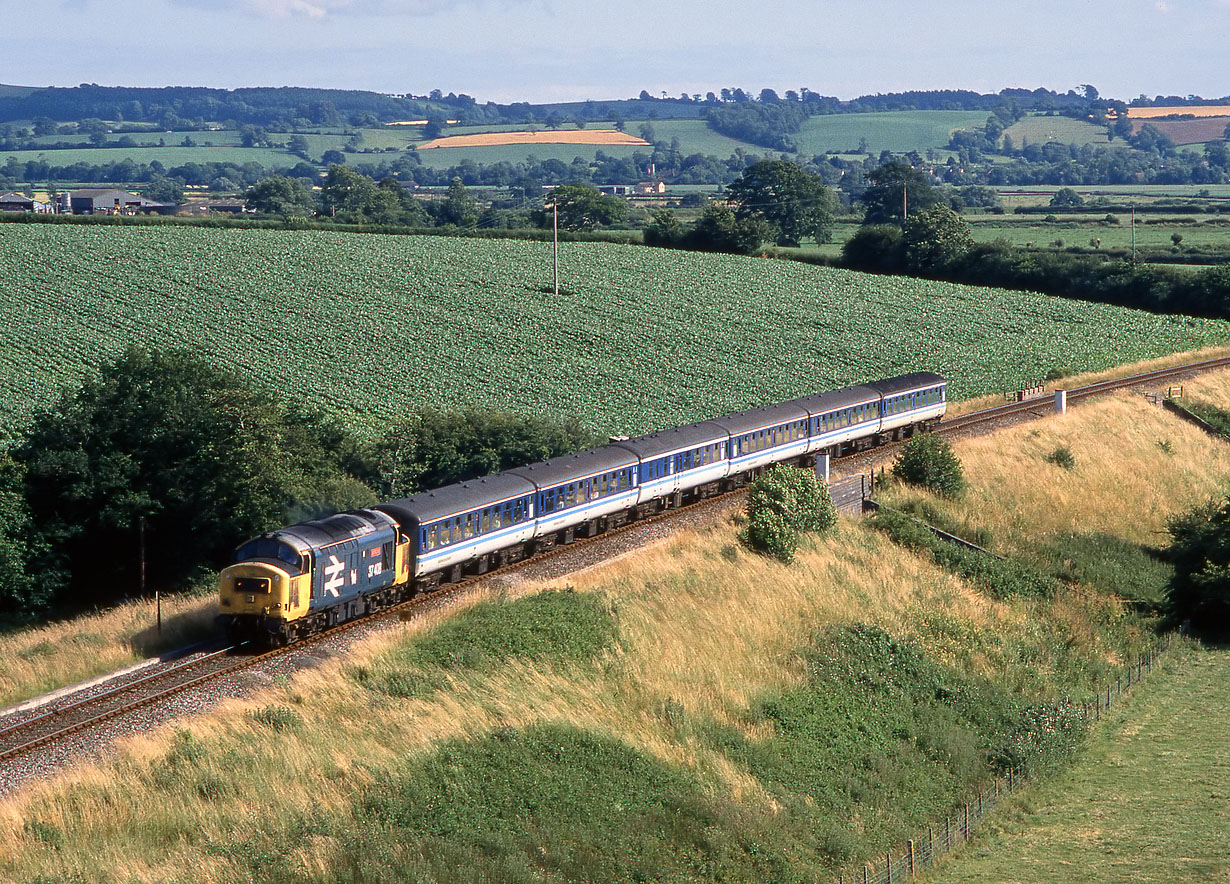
(878, 733)
(550, 627)
(1147, 803)
(1000, 578)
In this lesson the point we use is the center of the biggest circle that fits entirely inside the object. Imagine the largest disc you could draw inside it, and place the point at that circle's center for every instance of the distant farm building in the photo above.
(17, 202)
(101, 201)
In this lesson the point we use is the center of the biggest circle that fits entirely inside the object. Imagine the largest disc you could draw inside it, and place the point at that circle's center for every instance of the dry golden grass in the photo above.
(1213, 387)
(697, 629)
(1150, 113)
(1019, 496)
(1080, 380)
(568, 136)
(45, 658)
(704, 625)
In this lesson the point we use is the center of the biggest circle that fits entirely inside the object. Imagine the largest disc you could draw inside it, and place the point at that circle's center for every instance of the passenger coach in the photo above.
(291, 582)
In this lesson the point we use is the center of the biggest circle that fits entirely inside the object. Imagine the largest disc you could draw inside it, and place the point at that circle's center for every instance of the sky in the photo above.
(572, 50)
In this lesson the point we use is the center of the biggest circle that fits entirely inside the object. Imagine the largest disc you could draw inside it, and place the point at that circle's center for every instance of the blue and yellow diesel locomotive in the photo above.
(298, 580)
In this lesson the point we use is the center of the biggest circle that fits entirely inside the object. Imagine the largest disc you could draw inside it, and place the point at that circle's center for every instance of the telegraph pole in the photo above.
(1133, 236)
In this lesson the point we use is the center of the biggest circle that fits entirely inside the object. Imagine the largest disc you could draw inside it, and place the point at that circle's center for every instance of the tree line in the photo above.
(166, 445)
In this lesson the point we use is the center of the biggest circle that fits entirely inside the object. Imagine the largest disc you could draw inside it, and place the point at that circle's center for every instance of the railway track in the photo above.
(78, 716)
(70, 717)
(1077, 394)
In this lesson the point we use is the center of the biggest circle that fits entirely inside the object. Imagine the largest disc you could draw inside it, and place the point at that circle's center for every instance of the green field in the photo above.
(170, 156)
(1150, 803)
(373, 326)
(446, 157)
(1154, 233)
(1065, 130)
(898, 131)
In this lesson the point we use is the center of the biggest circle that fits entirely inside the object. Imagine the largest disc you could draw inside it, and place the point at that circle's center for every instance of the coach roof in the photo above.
(570, 467)
(758, 418)
(919, 380)
(823, 403)
(678, 439)
(451, 500)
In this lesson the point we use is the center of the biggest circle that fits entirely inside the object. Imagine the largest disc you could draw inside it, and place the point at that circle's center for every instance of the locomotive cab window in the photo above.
(268, 548)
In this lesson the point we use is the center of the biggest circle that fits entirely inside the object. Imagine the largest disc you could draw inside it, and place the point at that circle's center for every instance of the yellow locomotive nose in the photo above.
(253, 588)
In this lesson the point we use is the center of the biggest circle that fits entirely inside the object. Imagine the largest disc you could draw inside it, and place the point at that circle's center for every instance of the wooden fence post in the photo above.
(888, 866)
(910, 849)
(947, 834)
(930, 846)
(865, 873)
(965, 834)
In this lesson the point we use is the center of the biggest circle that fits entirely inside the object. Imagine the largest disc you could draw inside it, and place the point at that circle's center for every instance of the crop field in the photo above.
(535, 138)
(1211, 110)
(1065, 130)
(370, 327)
(1197, 131)
(898, 131)
(170, 156)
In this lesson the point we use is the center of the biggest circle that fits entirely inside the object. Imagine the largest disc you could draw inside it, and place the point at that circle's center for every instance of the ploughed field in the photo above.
(373, 326)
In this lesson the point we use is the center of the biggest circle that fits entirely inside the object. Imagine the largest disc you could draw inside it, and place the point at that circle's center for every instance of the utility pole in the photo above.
(555, 241)
(904, 202)
(157, 595)
(1133, 236)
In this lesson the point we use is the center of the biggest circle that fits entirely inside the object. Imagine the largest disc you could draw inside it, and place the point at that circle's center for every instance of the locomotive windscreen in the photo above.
(267, 548)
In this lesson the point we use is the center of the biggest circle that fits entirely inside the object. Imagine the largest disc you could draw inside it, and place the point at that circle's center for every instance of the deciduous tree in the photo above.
(792, 201)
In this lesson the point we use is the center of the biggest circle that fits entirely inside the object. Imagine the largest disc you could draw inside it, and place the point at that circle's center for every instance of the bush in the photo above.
(1062, 457)
(783, 502)
(929, 461)
(1199, 591)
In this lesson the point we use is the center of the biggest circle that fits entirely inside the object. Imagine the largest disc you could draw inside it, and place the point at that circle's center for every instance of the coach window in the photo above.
(433, 536)
(486, 521)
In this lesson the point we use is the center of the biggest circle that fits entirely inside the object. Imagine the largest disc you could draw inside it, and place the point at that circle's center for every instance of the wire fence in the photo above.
(921, 852)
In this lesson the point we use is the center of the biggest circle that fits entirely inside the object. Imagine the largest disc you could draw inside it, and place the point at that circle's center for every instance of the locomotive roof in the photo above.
(679, 438)
(822, 403)
(570, 467)
(333, 529)
(463, 497)
(907, 382)
(758, 418)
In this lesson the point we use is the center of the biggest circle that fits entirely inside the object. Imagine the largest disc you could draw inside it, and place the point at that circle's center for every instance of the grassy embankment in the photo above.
(691, 711)
(42, 659)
